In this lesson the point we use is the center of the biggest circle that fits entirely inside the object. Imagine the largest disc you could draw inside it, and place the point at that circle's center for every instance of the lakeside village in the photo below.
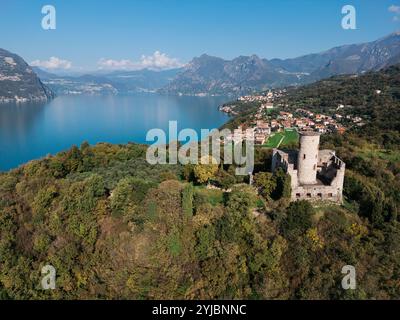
(269, 122)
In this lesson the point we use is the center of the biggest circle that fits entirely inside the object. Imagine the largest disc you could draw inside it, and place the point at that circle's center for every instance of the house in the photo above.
(287, 124)
(320, 128)
(285, 115)
(274, 124)
(263, 128)
(259, 139)
(340, 129)
(267, 105)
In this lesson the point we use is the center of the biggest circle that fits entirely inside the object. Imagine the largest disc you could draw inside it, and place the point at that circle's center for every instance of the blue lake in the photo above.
(31, 131)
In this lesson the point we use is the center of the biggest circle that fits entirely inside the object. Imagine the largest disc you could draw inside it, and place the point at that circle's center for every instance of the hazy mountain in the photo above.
(43, 75)
(142, 80)
(212, 75)
(116, 82)
(18, 82)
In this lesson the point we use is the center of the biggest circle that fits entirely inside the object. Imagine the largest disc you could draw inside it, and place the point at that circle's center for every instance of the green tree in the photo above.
(187, 200)
(283, 185)
(266, 183)
(299, 218)
(224, 179)
(205, 172)
(128, 194)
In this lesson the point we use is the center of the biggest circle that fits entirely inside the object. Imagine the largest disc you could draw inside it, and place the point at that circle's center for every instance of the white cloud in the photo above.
(156, 61)
(52, 63)
(396, 11)
(116, 64)
(159, 61)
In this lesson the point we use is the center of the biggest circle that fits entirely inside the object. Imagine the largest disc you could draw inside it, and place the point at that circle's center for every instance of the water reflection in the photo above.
(30, 131)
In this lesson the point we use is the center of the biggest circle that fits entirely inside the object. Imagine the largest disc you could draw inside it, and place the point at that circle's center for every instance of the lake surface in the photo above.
(31, 131)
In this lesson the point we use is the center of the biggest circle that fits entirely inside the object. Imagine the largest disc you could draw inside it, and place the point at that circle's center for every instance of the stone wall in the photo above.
(321, 164)
(317, 193)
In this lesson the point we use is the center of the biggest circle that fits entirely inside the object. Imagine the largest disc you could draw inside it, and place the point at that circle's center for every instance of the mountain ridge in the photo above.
(208, 75)
(18, 82)
(246, 74)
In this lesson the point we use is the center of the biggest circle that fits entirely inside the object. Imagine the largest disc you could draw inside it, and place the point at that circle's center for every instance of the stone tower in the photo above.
(308, 158)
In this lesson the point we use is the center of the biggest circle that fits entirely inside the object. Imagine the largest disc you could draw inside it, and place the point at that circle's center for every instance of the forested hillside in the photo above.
(375, 96)
(115, 227)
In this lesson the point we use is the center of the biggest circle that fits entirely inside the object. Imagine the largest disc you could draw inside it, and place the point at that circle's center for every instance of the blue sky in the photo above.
(127, 33)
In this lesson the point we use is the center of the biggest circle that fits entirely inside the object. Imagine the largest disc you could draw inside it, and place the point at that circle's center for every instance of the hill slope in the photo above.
(374, 95)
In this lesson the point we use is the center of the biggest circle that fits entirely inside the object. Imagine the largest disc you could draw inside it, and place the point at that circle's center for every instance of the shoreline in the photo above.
(4, 167)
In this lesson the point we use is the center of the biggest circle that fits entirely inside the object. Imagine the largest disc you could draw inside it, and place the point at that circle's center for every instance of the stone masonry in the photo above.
(315, 174)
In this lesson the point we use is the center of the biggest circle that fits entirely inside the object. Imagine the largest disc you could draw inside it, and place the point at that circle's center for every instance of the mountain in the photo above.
(347, 59)
(116, 82)
(43, 75)
(212, 75)
(208, 75)
(18, 82)
(141, 80)
(357, 59)
(393, 61)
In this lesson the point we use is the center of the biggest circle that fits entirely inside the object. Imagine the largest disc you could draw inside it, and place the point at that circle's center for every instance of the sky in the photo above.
(160, 34)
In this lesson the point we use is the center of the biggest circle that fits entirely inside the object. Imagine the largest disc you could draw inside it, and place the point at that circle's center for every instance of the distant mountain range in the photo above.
(348, 59)
(205, 75)
(211, 75)
(117, 82)
(18, 82)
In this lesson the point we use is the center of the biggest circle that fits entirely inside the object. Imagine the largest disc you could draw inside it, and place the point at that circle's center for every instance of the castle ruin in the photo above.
(315, 174)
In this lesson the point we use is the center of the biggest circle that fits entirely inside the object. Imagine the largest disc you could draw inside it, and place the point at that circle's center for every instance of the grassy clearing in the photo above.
(274, 140)
(324, 208)
(290, 136)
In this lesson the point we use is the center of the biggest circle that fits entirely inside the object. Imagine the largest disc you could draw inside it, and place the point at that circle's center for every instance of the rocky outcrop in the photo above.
(18, 82)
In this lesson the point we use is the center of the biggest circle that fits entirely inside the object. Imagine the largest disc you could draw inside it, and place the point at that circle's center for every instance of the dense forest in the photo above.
(115, 227)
